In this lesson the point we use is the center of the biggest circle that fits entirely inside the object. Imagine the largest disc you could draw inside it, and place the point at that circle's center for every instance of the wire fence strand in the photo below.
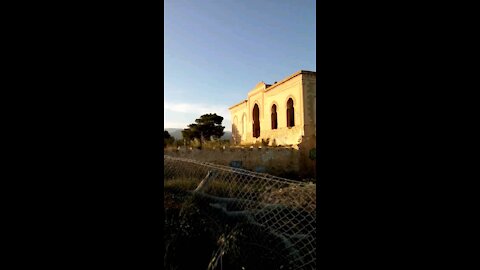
(280, 209)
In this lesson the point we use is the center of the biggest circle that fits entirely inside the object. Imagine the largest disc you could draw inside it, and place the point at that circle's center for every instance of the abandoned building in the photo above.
(283, 113)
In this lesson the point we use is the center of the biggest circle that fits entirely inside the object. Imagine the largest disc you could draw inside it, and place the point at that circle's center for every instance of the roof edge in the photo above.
(269, 87)
(240, 103)
(290, 77)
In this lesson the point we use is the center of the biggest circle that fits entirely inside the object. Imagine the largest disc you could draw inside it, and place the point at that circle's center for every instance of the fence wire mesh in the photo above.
(279, 212)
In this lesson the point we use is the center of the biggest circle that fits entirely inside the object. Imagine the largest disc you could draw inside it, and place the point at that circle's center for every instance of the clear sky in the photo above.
(216, 51)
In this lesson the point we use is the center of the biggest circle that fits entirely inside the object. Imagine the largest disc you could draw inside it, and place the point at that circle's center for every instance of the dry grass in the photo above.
(195, 227)
(295, 196)
(216, 187)
(184, 184)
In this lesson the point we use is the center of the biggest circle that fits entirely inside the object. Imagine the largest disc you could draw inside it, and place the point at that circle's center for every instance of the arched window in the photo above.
(256, 121)
(290, 113)
(274, 116)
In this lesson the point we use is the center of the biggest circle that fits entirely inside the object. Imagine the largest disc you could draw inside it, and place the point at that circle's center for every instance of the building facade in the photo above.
(282, 114)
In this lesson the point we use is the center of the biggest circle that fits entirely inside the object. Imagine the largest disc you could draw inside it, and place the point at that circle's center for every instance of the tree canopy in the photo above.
(207, 127)
(167, 139)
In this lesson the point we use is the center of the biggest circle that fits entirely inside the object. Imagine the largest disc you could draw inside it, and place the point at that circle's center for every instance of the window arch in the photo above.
(256, 121)
(235, 122)
(274, 117)
(290, 113)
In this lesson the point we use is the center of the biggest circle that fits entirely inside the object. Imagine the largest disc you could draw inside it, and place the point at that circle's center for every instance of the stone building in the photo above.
(282, 113)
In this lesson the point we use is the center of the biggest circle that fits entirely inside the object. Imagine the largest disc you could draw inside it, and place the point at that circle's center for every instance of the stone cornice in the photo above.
(289, 78)
(258, 89)
(240, 103)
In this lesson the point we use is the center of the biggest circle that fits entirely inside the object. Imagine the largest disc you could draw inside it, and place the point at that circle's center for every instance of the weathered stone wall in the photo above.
(239, 128)
(309, 81)
(283, 136)
(285, 162)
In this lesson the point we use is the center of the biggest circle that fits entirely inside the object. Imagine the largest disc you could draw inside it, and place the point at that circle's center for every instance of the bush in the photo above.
(265, 142)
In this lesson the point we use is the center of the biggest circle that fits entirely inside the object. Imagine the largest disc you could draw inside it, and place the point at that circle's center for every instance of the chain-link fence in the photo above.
(276, 216)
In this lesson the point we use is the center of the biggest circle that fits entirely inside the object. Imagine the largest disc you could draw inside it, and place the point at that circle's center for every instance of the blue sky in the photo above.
(217, 50)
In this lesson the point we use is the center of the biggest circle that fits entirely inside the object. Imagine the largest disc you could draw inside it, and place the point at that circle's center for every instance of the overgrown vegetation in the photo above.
(195, 229)
(216, 187)
(205, 133)
(167, 139)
